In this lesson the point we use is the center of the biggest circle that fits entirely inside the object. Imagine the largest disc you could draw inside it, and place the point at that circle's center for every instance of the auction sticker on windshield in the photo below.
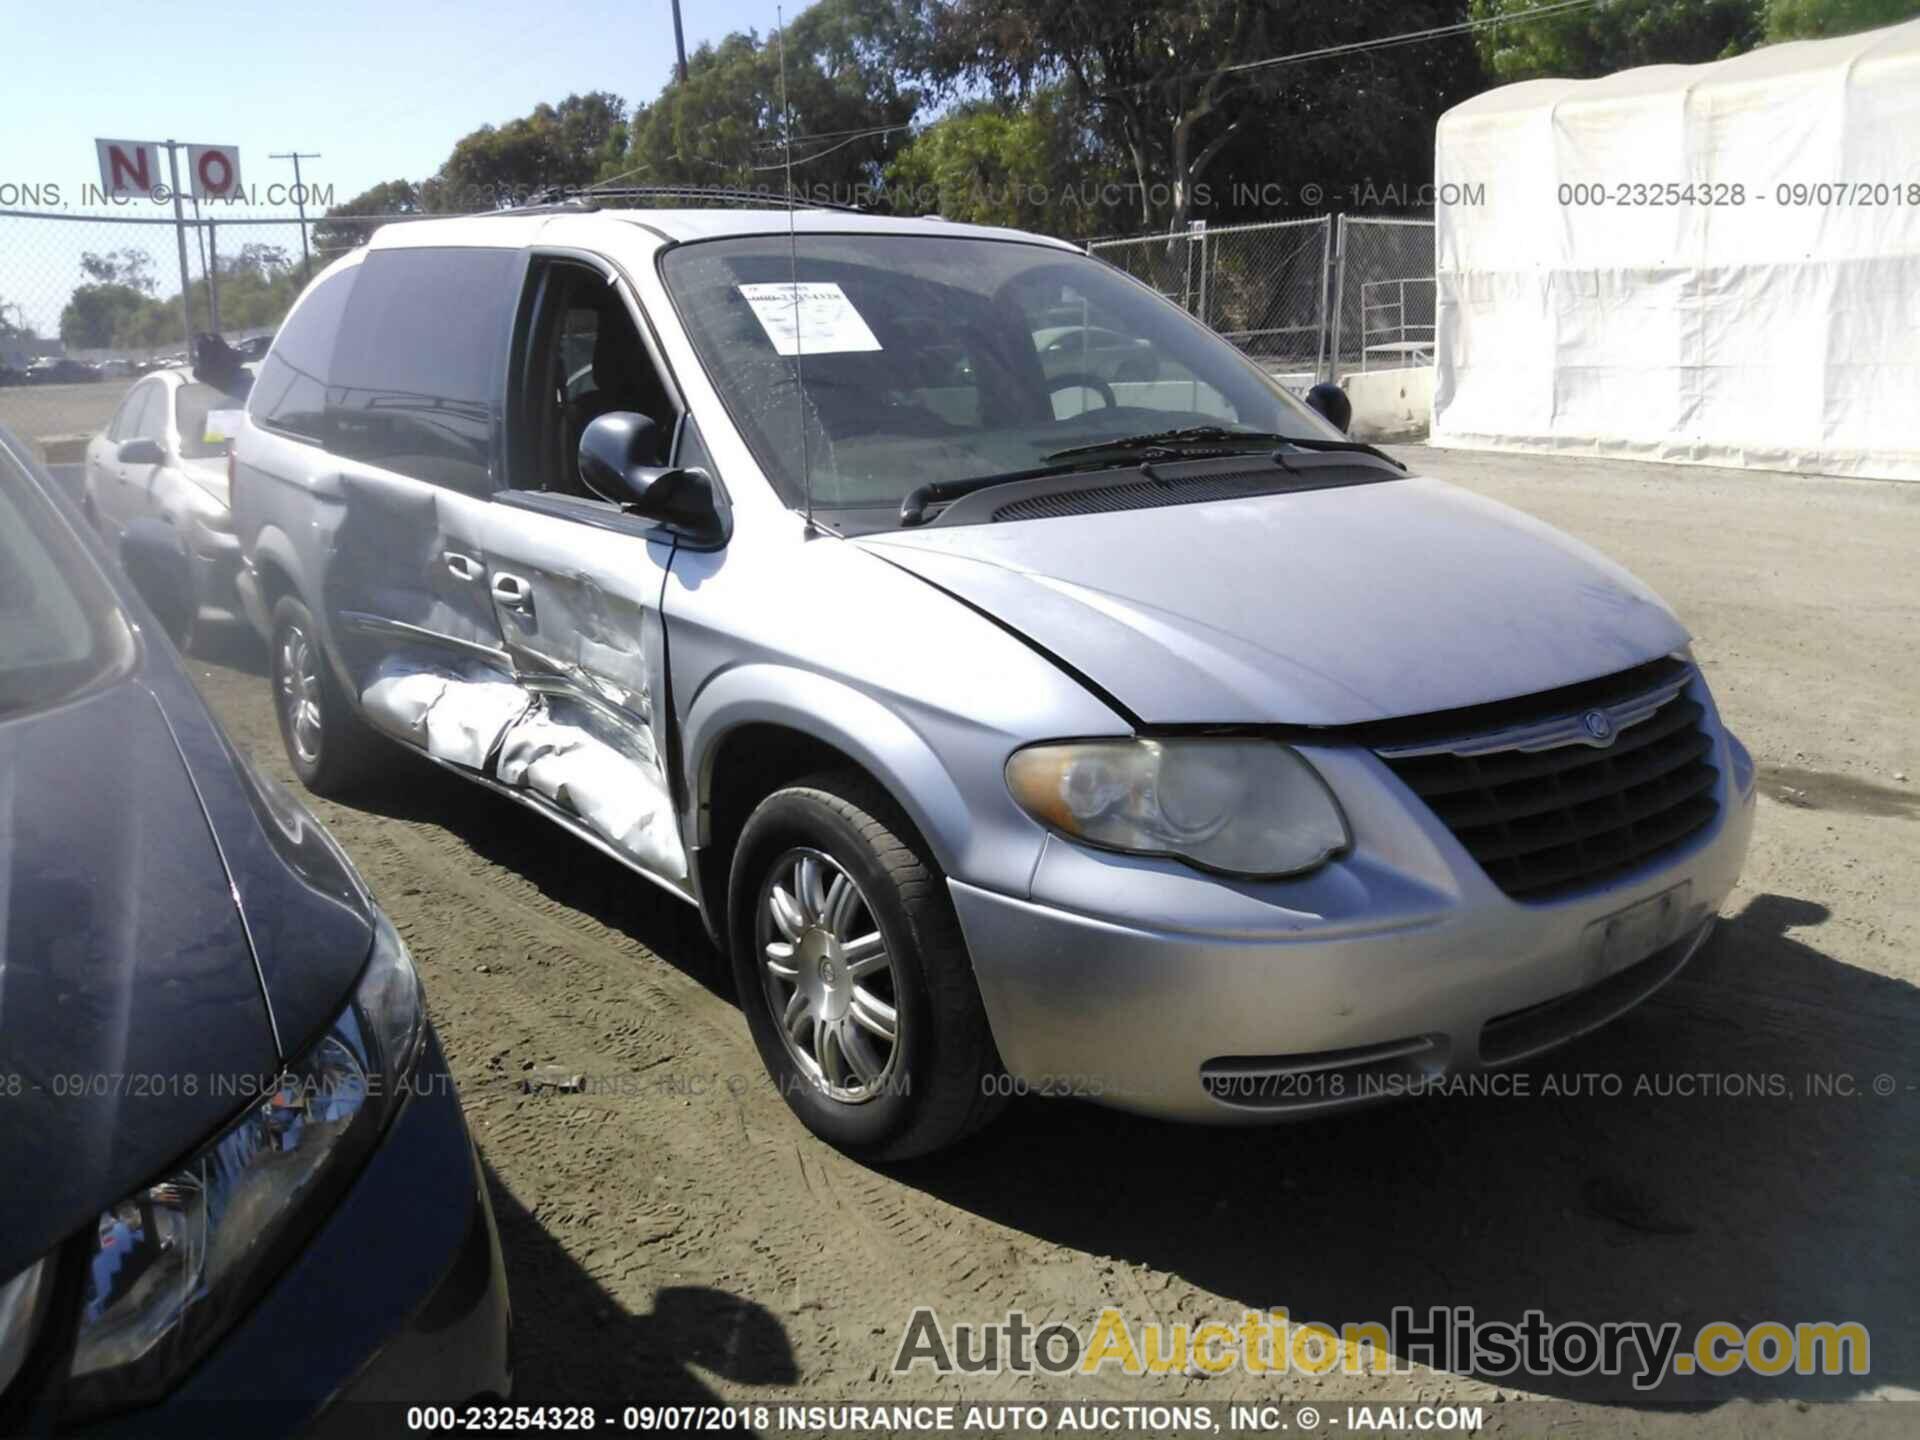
(828, 323)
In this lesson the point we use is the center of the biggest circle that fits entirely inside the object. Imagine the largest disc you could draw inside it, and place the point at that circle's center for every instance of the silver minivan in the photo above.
(1019, 722)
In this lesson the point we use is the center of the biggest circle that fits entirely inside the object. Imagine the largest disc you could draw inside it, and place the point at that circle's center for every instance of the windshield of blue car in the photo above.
(932, 359)
(59, 626)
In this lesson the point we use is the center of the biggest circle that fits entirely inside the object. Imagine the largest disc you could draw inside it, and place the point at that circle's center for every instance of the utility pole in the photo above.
(300, 199)
(200, 235)
(180, 241)
(213, 274)
(679, 45)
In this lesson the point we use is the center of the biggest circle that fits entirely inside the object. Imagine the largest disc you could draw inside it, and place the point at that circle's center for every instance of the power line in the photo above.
(837, 134)
(790, 162)
(1409, 37)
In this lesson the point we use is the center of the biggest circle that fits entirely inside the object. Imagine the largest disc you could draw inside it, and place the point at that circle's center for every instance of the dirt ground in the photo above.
(40, 412)
(672, 1234)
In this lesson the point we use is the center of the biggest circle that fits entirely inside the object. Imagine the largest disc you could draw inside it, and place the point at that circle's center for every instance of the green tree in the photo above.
(16, 329)
(1810, 19)
(1616, 35)
(258, 286)
(95, 314)
(846, 83)
(130, 267)
(1169, 90)
(336, 233)
(1029, 167)
(557, 146)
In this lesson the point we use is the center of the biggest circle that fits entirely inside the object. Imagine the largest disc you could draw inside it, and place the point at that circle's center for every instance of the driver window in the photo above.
(1076, 339)
(586, 360)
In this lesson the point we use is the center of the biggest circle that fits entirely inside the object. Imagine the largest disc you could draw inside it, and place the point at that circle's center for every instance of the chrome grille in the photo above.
(1547, 806)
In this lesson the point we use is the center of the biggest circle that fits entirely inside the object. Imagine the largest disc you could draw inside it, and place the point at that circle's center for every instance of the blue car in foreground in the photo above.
(238, 1187)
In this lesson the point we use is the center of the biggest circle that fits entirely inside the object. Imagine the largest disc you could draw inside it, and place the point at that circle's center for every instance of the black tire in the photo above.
(942, 1083)
(345, 753)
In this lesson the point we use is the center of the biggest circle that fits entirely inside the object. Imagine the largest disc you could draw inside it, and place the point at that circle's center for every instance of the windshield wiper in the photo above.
(913, 508)
(913, 505)
(1166, 443)
(1212, 437)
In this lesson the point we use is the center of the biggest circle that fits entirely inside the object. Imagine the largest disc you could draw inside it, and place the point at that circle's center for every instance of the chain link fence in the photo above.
(90, 303)
(1382, 316)
(1262, 286)
(1310, 299)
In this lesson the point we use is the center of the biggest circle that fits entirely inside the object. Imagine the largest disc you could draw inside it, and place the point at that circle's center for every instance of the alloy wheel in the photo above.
(299, 687)
(829, 980)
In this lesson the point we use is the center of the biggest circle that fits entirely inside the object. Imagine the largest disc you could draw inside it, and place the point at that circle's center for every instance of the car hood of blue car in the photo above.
(174, 930)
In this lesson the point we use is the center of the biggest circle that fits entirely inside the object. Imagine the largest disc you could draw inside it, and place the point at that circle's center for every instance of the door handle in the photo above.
(512, 592)
(464, 567)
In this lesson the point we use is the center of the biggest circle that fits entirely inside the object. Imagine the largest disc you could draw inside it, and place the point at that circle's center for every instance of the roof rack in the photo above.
(589, 198)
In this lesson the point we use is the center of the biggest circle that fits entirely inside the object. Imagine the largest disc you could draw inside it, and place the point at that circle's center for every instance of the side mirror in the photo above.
(620, 461)
(140, 452)
(150, 553)
(1332, 404)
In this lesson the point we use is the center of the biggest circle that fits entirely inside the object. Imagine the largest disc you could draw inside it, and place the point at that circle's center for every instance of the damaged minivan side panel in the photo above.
(579, 615)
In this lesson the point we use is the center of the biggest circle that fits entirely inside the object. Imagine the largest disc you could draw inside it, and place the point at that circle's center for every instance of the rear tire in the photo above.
(330, 747)
(850, 868)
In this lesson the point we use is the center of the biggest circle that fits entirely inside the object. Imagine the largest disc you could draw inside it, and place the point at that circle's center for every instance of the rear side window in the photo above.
(416, 382)
(291, 392)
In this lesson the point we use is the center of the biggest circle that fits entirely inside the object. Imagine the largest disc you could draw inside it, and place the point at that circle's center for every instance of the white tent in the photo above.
(1770, 318)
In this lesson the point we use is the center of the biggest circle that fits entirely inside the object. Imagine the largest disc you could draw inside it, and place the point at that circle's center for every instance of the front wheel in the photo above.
(853, 974)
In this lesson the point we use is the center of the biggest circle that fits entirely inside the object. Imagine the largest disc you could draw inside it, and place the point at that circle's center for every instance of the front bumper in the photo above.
(1383, 973)
(400, 1296)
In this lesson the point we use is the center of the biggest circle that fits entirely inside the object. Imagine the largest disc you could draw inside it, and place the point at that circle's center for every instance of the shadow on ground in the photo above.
(235, 647)
(574, 1344)
(1721, 1183)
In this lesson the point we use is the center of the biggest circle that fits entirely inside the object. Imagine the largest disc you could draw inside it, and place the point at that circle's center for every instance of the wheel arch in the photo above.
(760, 727)
(277, 565)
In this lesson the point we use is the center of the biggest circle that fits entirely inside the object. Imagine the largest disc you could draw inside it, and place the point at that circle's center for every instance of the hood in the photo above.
(125, 967)
(1318, 607)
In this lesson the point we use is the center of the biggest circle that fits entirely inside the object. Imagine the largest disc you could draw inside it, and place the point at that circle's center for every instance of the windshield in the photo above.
(59, 626)
(932, 359)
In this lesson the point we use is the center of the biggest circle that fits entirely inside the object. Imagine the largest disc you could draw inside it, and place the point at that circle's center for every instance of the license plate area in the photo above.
(1626, 937)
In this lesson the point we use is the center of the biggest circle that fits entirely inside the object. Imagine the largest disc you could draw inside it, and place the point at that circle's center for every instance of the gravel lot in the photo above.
(40, 412)
(673, 1235)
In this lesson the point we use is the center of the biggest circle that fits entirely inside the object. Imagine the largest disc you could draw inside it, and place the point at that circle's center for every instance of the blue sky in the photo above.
(381, 88)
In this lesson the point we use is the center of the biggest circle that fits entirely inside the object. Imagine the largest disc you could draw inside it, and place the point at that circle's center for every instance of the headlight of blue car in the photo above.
(178, 1261)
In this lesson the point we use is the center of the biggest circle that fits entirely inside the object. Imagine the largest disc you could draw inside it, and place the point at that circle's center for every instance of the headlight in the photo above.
(1242, 807)
(174, 1263)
